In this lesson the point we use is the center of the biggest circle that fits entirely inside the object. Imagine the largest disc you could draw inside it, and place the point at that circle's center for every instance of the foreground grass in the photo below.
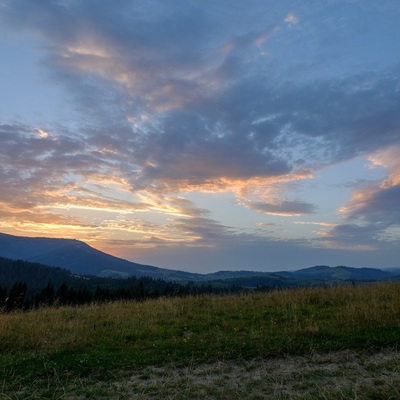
(91, 348)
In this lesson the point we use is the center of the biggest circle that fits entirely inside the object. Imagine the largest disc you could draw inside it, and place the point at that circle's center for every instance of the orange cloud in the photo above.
(365, 198)
(328, 224)
(390, 159)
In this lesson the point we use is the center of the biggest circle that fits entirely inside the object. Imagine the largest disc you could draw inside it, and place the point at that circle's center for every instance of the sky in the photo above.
(204, 135)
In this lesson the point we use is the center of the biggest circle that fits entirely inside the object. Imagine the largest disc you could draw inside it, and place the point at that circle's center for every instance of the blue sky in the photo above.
(204, 135)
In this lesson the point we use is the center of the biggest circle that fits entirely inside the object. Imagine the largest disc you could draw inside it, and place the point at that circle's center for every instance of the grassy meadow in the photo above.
(83, 352)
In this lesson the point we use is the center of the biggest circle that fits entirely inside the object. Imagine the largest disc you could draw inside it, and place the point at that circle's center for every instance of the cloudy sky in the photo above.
(204, 135)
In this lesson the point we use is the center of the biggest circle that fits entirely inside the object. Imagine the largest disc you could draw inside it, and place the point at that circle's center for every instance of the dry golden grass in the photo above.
(337, 309)
(65, 342)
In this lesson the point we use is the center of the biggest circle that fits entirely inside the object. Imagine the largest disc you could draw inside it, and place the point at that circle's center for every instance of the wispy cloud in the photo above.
(325, 224)
(284, 208)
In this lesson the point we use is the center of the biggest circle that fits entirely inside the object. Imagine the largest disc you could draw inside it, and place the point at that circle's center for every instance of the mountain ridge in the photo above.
(77, 257)
(82, 259)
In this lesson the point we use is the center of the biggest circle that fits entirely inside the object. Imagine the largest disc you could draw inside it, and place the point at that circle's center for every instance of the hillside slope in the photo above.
(78, 257)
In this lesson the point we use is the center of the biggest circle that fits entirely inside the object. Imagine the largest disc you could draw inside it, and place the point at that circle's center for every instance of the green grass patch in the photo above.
(60, 344)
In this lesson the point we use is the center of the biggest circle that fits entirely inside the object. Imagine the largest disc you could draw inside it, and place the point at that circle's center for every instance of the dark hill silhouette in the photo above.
(78, 257)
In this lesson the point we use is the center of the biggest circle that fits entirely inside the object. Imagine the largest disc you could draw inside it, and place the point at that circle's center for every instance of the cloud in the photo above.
(324, 224)
(284, 208)
(378, 205)
(50, 171)
(373, 210)
(375, 206)
(352, 237)
(193, 122)
(291, 19)
(189, 97)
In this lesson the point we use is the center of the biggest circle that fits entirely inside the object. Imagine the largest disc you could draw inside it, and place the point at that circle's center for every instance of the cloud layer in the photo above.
(220, 97)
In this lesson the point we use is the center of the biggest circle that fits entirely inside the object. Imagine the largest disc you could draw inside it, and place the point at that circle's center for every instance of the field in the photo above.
(332, 343)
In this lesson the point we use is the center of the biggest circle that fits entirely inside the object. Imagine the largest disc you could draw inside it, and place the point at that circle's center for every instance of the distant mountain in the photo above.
(314, 276)
(79, 258)
(340, 273)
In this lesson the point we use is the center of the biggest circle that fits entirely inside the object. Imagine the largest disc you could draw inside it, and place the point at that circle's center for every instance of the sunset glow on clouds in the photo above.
(204, 135)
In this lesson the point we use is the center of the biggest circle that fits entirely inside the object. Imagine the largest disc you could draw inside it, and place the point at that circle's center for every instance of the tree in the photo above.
(63, 294)
(46, 296)
(16, 297)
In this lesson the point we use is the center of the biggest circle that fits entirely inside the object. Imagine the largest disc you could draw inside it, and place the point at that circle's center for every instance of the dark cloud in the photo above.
(206, 232)
(380, 206)
(353, 236)
(131, 62)
(370, 215)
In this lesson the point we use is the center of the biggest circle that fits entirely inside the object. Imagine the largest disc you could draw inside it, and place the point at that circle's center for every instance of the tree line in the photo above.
(25, 286)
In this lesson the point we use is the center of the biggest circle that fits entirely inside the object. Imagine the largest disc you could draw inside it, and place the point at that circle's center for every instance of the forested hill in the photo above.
(24, 285)
(37, 275)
